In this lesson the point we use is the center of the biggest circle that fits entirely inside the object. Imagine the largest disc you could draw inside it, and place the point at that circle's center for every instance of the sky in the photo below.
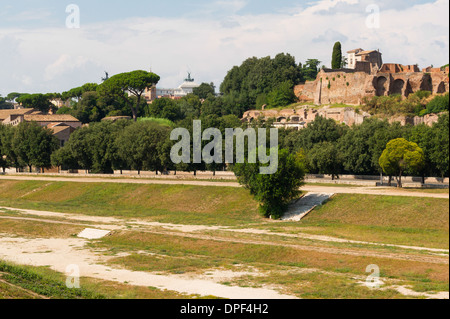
(41, 53)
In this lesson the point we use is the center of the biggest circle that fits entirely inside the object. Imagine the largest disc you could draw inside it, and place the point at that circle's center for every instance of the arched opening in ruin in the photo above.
(397, 87)
(408, 89)
(427, 83)
(380, 86)
(281, 119)
(441, 88)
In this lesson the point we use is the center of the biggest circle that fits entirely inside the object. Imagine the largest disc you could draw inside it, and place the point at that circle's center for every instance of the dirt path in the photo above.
(62, 253)
(191, 231)
(383, 191)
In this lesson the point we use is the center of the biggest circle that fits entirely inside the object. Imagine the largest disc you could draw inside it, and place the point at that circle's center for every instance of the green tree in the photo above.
(439, 145)
(204, 90)
(141, 145)
(87, 109)
(40, 102)
(437, 105)
(164, 108)
(325, 158)
(257, 76)
(7, 152)
(190, 106)
(282, 95)
(62, 158)
(336, 61)
(319, 130)
(274, 192)
(311, 69)
(80, 149)
(362, 145)
(34, 145)
(400, 156)
(125, 86)
(4, 104)
(103, 149)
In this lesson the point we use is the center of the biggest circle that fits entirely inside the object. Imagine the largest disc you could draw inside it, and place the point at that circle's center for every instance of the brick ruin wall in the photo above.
(349, 87)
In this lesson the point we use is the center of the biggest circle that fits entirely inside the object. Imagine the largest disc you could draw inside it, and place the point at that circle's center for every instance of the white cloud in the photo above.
(65, 63)
(57, 59)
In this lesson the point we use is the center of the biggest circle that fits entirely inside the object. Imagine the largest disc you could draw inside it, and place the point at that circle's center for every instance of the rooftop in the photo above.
(355, 50)
(366, 52)
(4, 114)
(50, 118)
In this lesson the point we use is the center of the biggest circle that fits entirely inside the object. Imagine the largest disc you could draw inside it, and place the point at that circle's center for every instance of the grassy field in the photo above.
(162, 203)
(26, 282)
(301, 267)
(384, 219)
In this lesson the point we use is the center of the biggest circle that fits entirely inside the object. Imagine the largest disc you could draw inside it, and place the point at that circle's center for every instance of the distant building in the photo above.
(184, 89)
(62, 125)
(367, 77)
(372, 58)
(59, 103)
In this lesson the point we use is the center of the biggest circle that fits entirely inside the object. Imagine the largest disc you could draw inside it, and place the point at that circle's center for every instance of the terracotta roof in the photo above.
(4, 114)
(50, 118)
(355, 50)
(51, 125)
(58, 129)
(366, 52)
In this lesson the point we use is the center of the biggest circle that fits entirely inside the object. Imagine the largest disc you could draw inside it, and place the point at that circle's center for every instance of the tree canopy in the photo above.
(127, 85)
(401, 155)
(276, 191)
(336, 61)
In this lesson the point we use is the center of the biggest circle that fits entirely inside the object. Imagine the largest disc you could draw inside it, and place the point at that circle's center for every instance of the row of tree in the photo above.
(270, 81)
(26, 145)
(328, 147)
(334, 149)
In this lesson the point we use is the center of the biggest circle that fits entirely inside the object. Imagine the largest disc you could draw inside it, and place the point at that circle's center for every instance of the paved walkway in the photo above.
(305, 205)
(384, 191)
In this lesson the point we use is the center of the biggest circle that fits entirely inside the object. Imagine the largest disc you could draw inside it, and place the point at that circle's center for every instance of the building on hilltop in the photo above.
(364, 60)
(187, 87)
(367, 76)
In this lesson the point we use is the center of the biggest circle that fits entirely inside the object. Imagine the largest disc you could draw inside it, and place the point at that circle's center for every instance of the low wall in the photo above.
(367, 178)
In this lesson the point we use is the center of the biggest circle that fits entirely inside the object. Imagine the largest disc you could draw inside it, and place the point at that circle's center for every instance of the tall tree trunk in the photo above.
(400, 180)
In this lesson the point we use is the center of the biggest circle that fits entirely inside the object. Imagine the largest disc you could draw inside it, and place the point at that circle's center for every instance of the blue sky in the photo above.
(39, 54)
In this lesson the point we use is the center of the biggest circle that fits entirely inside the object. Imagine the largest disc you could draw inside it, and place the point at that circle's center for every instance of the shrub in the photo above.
(438, 104)
(274, 192)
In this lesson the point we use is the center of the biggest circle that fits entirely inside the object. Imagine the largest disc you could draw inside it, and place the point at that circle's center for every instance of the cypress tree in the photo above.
(336, 61)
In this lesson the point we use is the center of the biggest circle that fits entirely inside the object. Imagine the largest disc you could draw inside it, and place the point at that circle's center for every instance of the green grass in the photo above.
(179, 254)
(182, 204)
(383, 219)
(27, 282)
(44, 285)
(318, 285)
(159, 121)
(408, 221)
